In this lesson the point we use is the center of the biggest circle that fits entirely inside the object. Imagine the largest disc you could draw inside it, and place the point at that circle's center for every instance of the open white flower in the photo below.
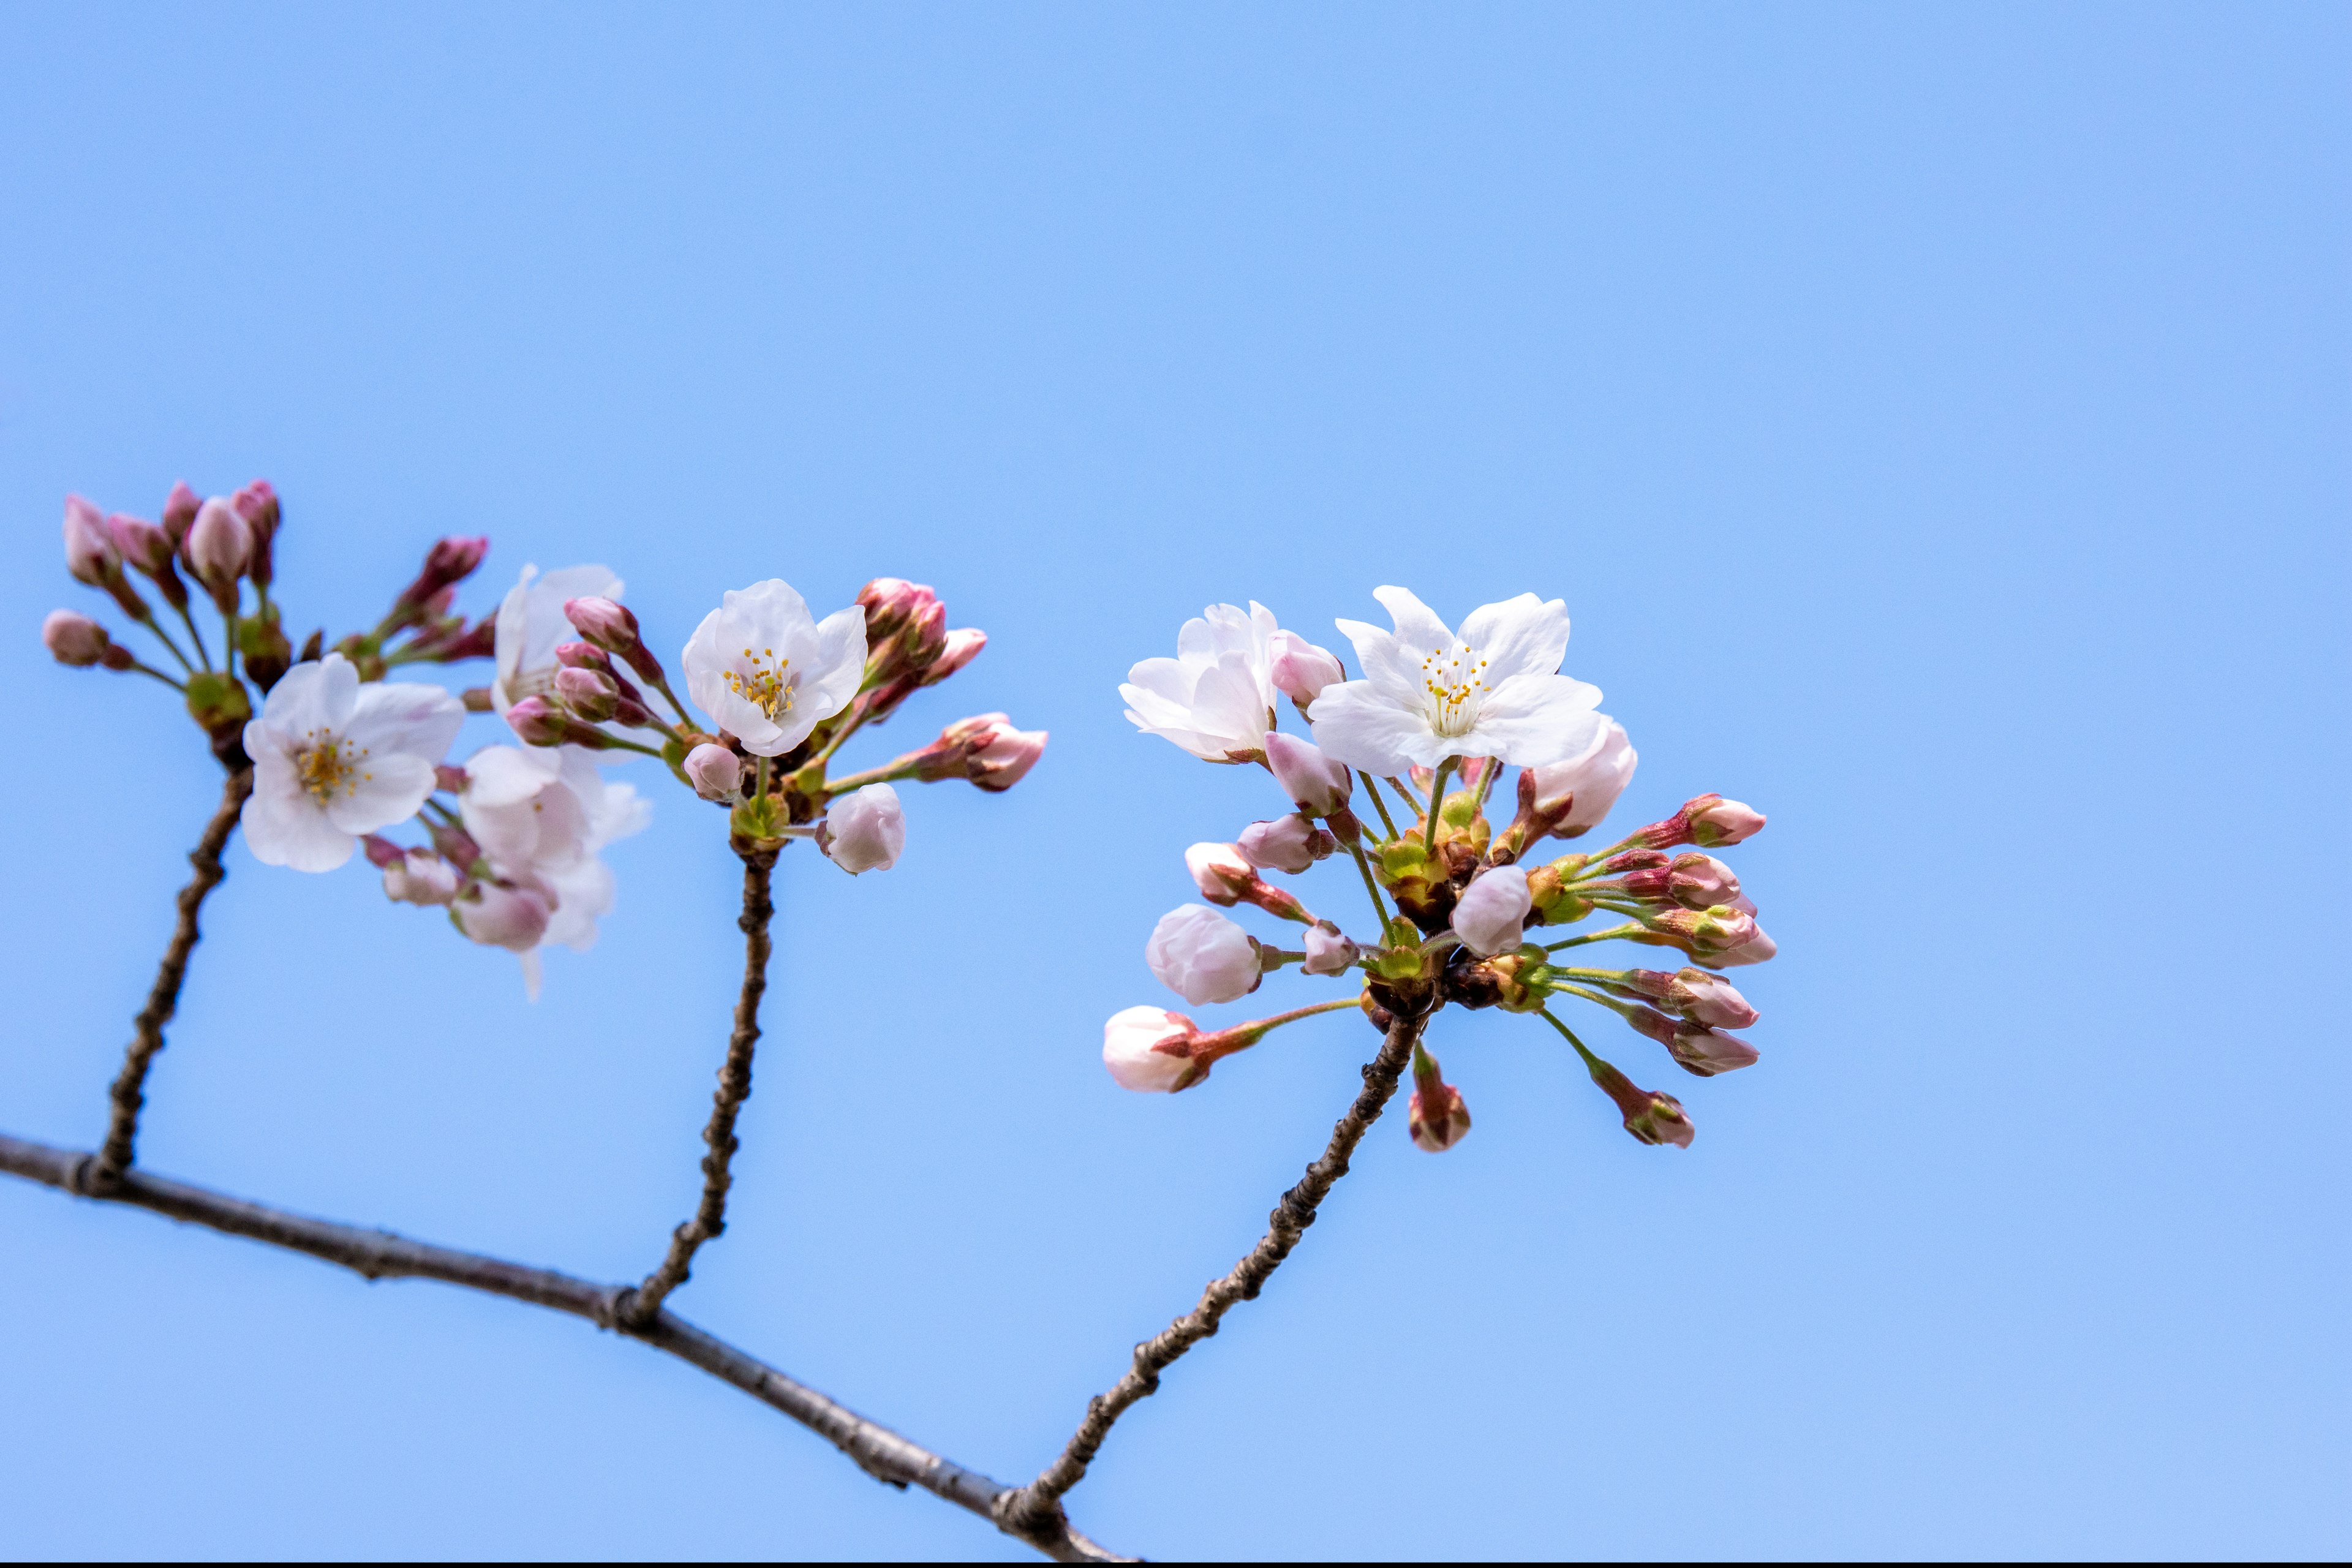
(767, 672)
(532, 623)
(1215, 698)
(541, 815)
(1495, 691)
(333, 759)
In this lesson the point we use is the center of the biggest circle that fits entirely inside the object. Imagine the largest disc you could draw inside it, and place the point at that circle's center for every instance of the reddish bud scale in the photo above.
(382, 852)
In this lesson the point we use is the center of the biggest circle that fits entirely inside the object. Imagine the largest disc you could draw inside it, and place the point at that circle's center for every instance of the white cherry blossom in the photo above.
(541, 815)
(768, 672)
(1215, 698)
(532, 623)
(333, 759)
(1495, 691)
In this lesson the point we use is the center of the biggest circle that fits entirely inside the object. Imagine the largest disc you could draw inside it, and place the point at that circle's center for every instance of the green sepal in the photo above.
(215, 700)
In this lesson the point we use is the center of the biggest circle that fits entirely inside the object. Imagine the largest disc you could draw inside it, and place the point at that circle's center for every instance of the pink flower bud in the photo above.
(217, 548)
(537, 723)
(1700, 881)
(258, 505)
(1437, 1116)
(451, 780)
(1572, 797)
(1203, 956)
(591, 694)
(926, 637)
(1327, 952)
(1708, 1052)
(1493, 910)
(140, 544)
(1725, 822)
(582, 656)
(451, 560)
(865, 830)
(512, 917)
(381, 852)
(1221, 871)
(1650, 1117)
(180, 512)
(1755, 949)
(961, 648)
(79, 642)
(1316, 785)
(891, 604)
(1708, 999)
(1290, 844)
(1006, 759)
(603, 624)
(90, 555)
(1148, 1049)
(716, 772)
(421, 877)
(1301, 669)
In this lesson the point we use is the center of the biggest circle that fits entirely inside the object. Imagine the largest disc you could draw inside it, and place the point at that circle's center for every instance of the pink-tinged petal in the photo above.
(314, 695)
(284, 826)
(509, 775)
(408, 717)
(387, 788)
(1526, 636)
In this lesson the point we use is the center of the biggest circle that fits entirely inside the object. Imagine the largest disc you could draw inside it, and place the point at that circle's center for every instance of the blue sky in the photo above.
(1934, 418)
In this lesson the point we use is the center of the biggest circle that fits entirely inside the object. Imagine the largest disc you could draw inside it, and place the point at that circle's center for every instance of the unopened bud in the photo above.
(258, 505)
(512, 917)
(1290, 844)
(1707, 998)
(1006, 759)
(1493, 910)
(1203, 956)
(180, 511)
(961, 648)
(79, 642)
(536, 721)
(1568, 799)
(1148, 1049)
(1700, 881)
(892, 603)
(865, 830)
(589, 693)
(1316, 783)
(90, 555)
(421, 877)
(1225, 878)
(1650, 1117)
(1707, 1052)
(926, 637)
(380, 851)
(716, 772)
(1327, 952)
(1725, 822)
(218, 546)
(1300, 671)
(449, 561)
(604, 623)
(582, 656)
(1437, 1116)
(1755, 949)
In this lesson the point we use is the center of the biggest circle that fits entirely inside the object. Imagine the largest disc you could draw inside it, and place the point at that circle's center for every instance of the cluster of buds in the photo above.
(1397, 780)
(222, 545)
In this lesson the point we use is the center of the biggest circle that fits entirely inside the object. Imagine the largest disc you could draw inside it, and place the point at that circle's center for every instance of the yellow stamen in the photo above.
(765, 686)
(1455, 707)
(328, 765)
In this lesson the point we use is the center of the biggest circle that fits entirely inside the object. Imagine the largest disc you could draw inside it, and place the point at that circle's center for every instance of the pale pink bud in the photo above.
(1285, 844)
(1006, 759)
(218, 547)
(892, 603)
(1327, 952)
(79, 642)
(1755, 949)
(450, 560)
(582, 656)
(380, 851)
(1149, 1049)
(512, 917)
(180, 511)
(258, 505)
(1203, 956)
(537, 723)
(90, 555)
(1221, 871)
(864, 830)
(1701, 881)
(963, 645)
(1708, 1052)
(590, 693)
(1725, 822)
(1301, 669)
(717, 773)
(1651, 1117)
(1493, 910)
(140, 544)
(421, 877)
(1709, 999)
(1316, 785)
(603, 624)
(1435, 1116)
(1575, 795)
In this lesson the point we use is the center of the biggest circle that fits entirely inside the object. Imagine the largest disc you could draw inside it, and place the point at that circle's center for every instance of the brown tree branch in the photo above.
(643, 1305)
(1038, 1505)
(127, 1094)
(381, 1255)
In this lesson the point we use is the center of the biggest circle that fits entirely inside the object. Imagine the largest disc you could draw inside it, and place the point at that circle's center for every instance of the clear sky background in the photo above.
(1935, 418)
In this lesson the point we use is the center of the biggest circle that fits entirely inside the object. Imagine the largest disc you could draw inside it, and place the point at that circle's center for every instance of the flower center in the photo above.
(764, 685)
(328, 765)
(1453, 682)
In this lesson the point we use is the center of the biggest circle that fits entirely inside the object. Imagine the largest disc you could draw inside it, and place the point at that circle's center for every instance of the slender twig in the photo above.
(734, 1087)
(114, 1155)
(1038, 1505)
(381, 1255)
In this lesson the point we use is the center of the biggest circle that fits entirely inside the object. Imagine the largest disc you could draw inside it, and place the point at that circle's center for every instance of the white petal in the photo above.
(406, 717)
(1417, 624)
(314, 695)
(506, 776)
(1532, 720)
(284, 826)
(1355, 725)
(389, 788)
(1525, 636)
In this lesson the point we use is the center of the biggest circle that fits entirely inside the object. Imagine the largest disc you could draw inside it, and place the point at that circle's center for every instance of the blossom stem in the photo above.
(151, 671)
(1379, 804)
(619, 745)
(1038, 1505)
(1630, 928)
(1250, 1034)
(113, 1157)
(760, 778)
(1486, 786)
(1436, 799)
(203, 655)
(661, 684)
(904, 768)
(1622, 1009)
(1589, 1059)
(156, 627)
(1371, 885)
(639, 1308)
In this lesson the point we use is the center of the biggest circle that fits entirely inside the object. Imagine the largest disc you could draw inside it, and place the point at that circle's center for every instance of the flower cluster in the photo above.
(511, 840)
(1456, 904)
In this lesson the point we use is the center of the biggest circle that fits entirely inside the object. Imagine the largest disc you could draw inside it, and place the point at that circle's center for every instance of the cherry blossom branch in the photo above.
(127, 1094)
(381, 1255)
(734, 1087)
(1038, 1506)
